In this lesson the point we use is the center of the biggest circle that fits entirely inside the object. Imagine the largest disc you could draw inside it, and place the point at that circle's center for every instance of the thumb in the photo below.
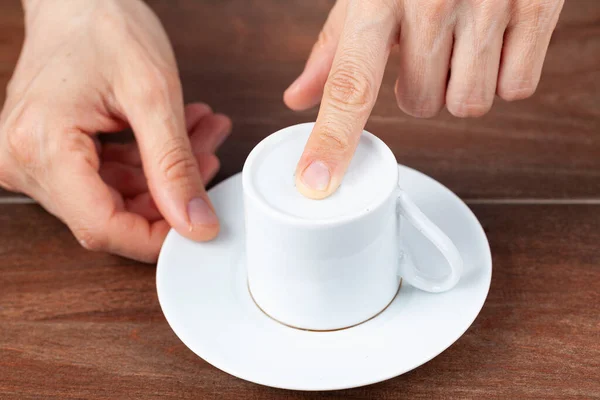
(156, 115)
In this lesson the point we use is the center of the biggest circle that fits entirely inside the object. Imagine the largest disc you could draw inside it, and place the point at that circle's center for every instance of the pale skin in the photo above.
(104, 65)
(484, 47)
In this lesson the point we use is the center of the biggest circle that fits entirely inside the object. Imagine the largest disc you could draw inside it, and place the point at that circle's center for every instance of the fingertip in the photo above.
(224, 122)
(311, 193)
(298, 98)
(206, 233)
(203, 221)
(289, 99)
(194, 112)
(201, 233)
(198, 108)
(306, 91)
(314, 180)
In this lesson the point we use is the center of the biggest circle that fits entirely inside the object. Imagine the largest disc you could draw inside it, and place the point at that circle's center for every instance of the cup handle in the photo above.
(406, 208)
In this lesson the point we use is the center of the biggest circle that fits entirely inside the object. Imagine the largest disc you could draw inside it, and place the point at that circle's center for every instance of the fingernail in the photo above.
(200, 213)
(316, 176)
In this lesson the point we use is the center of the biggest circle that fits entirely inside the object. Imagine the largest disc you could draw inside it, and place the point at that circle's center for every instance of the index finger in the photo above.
(348, 98)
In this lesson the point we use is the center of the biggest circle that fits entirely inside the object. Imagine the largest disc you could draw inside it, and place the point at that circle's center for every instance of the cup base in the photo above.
(323, 330)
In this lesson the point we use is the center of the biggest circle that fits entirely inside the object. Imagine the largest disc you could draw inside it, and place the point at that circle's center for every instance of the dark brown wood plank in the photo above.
(76, 324)
(239, 56)
(546, 146)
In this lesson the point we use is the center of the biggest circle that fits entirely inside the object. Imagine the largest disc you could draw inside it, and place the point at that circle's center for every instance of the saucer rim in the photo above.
(351, 383)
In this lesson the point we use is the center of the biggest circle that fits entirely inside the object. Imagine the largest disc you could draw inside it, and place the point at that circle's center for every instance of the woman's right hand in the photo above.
(102, 66)
(453, 53)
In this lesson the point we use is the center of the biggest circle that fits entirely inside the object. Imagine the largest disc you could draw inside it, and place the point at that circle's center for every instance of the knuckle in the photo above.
(111, 22)
(485, 4)
(435, 10)
(324, 40)
(414, 101)
(158, 86)
(430, 38)
(377, 10)
(79, 146)
(536, 13)
(468, 109)
(492, 13)
(419, 108)
(23, 136)
(176, 161)
(90, 239)
(477, 3)
(425, 37)
(349, 87)
(535, 10)
(470, 98)
(516, 90)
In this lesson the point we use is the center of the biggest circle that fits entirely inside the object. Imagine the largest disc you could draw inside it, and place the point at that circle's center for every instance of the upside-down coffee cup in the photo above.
(337, 262)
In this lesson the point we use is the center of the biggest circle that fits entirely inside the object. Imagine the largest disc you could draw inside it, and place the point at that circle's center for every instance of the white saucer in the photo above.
(203, 294)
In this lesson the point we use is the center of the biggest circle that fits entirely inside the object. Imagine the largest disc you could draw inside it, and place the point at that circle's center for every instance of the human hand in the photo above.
(487, 47)
(103, 66)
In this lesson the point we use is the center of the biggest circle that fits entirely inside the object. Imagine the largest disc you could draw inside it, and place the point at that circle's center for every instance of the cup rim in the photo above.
(249, 189)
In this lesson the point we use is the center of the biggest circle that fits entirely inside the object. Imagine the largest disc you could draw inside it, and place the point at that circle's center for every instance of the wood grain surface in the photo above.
(81, 325)
(239, 56)
(75, 324)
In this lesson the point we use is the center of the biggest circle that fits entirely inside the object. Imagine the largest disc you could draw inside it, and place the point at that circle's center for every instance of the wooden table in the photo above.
(75, 324)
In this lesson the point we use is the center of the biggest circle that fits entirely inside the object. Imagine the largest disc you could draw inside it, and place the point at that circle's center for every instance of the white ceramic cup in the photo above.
(331, 272)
